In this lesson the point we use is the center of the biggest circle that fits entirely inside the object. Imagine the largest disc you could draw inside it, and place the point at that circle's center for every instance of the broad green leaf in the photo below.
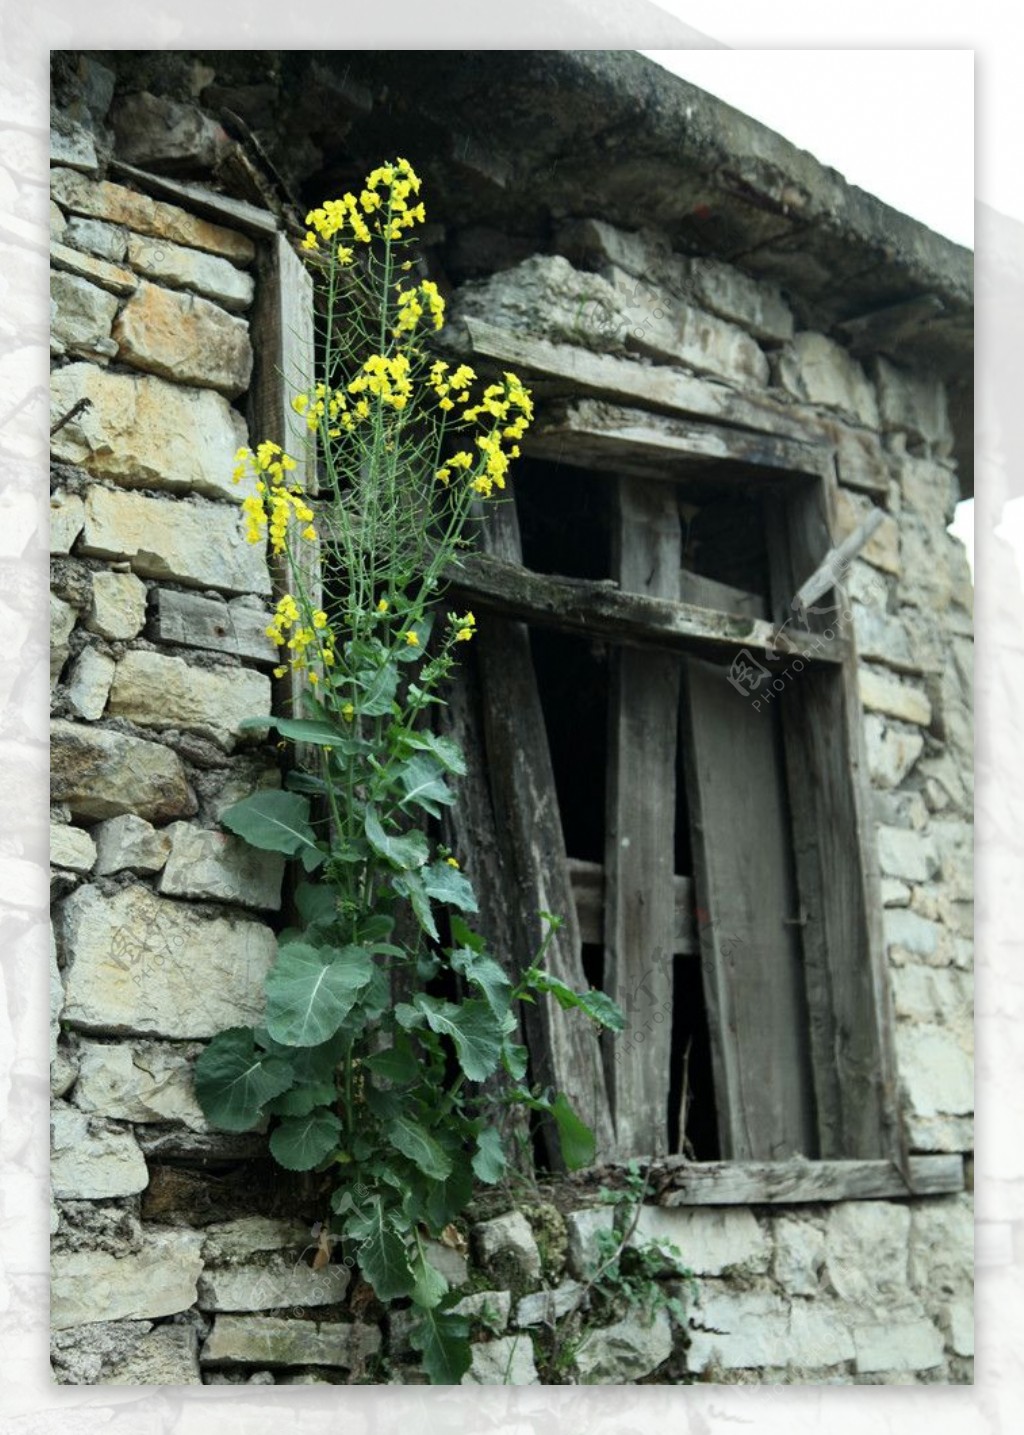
(302, 1142)
(575, 1138)
(446, 883)
(489, 1159)
(473, 1028)
(423, 785)
(311, 990)
(410, 884)
(297, 781)
(443, 1340)
(323, 734)
(300, 1100)
(465, 936)
(597, 1005)
(514, 1059)
(399, 1063)
(275, 821)
(234, 1080)
(444, 1200)
(416, 1142)
(316, 902)
(430, 1285)
(377, 927)
(382, 1254)
(447, 752)
(404, 850)
(484, 972)
(378, 691)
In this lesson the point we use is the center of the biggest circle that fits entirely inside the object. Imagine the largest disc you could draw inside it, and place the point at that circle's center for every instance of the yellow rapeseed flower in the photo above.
(412, 638)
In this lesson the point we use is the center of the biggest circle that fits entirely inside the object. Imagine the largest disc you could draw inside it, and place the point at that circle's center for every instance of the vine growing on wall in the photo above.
(373, 1048)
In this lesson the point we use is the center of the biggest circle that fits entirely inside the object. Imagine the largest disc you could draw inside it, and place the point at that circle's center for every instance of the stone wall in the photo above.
(181, 1255)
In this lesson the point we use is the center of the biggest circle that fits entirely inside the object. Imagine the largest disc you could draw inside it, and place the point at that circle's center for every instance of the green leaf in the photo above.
(423, 785)
(444, 1200)
(383, 1255)
(378, 691)
(323, 734)
(317, 902)
(234, 1081)
(465, 936)
(431, 1287)
(398, 1064)
(410, 884)
(404, 850)
(447, 752)
(302, 1142)
(484, 972)
(416, 1142)
(275, 822)
(443, 1339)
(597, 1005)
(447, 884)
(311, 990)
(489, 1160)
(575, 1138)
(300, 1100)
(473, 1028)
(514, 1059)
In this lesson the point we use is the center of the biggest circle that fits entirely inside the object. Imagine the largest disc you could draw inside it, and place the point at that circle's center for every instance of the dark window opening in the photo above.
(572, 678)
(692, 1081)
(563, 519)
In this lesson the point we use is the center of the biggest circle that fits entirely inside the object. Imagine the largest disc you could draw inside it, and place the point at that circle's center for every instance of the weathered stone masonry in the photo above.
(168, 1265)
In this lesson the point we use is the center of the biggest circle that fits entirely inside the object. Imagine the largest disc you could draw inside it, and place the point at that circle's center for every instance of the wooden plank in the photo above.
(656, 386)
(593, 435)
(749, 1183)
(750, 952)
(236, 213)
(600, 609)
(639, 903)
(587, 880)
(708, 593)
(196, 622)
(564, 1048)
(846, 972)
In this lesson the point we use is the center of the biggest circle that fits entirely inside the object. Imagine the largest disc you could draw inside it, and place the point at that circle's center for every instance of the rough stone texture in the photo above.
(155, 132)
(158, 691)
(67, 515)
(266, 1340)
(184, 338)
(196, 543)
(897, 1345)
(89, 684)
(71, 145)
(884, 694)
(182, 268)
(81, 316)
(799, 1253)
(100, 773)
(911, 933)
(108, 241)
(866, 1251)
(816, 370)
(936, 1073)
(582, 1228)
(226, 869)
(506, 1361)
(145, 964)
(892, 749)
(159, 1279)
(914, 404)
(141, 1081)
(546, 1307)
(929, 489)
(448, 1262)
(506, 1243)
(272, 1285)
(882, 638)
(72, 848)
(58, 224)
(933, 994)
(144, 432)
(92, 1161)
(114, 277)
(118, 604)
(129, 842)
(62, 620)
(709, 1241)
(906, 854)
(626, 1351)
(126, 1353)
(118, 205)
(488, 1308)
(959, 1322)
(743, 1330)
(882, 550)
(225, 1242)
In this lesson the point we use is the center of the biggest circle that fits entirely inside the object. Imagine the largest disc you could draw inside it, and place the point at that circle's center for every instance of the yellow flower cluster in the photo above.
(347, 214)
(465, 627)
(270, 508)
(387, 379)
(332, 405)
(287, 631)
(446, 385)
(414, 303)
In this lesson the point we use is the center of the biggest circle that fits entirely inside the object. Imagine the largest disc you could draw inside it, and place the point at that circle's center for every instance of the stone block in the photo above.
(146, 433)
(882, 550)
(882, 693)
(156, 132)
(273, 1284)
(488, 1308)
(199, 544)
(225, 1242)
(118, 604)
(268, 1340)
(126, 1353)
(156, 691)
(942, 1253)
(89, 684)
(709, 1241)
(87, 266)
(936, 995)
(898, 1345)
(958, 1320)
(883, 638)
(912, 933)
(71, 848)
(799, 1254)
(447, 1261)
(142, 964)
(506, 1361)
(757, 307)
(71, 145)
(506, 1245)
(866, 1246)
(62, 620)
(935, 1069)
(81, 316)
(141, 1081)
(816, 370)
(909, 855)
(929, 489)
(582, 1229)
(119, 205)
(895, 894)
(238, 627)
(181, 268)
(160, 1279)
(99, 773)
(184, 338)
(752, 1329)
(58, 224)
(130, 843)
(212, 864)
(914, 404)
(625, 1352)
(548, 1306)
(107, 241)
(67, 517)
(892, 748)
(92, 1161)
